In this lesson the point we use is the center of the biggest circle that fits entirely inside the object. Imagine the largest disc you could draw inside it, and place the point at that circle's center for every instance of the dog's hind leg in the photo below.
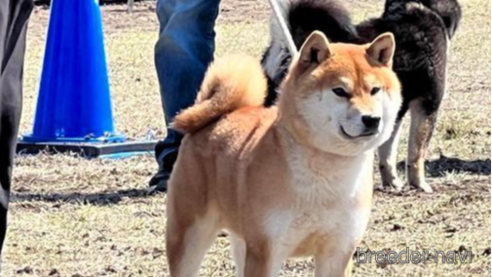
(421, 129)
(387, 159)
(193, 220)
(187, 244)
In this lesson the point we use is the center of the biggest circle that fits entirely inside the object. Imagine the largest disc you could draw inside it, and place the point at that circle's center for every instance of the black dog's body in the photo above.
(422, 30)
(420, 57)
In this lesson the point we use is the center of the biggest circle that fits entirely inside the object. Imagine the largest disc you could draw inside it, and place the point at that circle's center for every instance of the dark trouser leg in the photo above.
(182, 54)
(13, 24)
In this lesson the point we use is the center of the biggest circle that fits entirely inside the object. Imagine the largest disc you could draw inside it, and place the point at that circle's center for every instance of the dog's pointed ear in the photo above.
(382, 49)
(314, 51)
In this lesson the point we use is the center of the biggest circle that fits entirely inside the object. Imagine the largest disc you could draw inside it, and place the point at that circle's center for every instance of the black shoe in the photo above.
(158, 183)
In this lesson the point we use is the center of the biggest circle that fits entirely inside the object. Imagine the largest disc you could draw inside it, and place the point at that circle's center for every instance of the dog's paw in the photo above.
(393, 182)
(422, 185)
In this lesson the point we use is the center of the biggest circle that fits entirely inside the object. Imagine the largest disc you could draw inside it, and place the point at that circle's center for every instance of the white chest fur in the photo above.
(326, 206)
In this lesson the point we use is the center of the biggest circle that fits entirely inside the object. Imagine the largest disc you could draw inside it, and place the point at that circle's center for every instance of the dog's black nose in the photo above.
(371, 123)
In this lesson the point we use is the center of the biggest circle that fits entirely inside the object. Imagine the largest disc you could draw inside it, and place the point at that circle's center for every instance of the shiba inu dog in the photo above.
(422, 29)
(291, 180)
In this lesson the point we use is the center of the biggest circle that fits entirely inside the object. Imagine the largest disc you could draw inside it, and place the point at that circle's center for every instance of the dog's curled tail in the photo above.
(229, 84)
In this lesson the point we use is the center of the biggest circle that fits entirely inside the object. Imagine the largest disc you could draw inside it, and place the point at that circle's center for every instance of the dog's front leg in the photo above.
(261, 260)
(333, 264)
(239, 253)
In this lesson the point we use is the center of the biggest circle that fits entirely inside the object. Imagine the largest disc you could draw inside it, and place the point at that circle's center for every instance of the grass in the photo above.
(75, 217)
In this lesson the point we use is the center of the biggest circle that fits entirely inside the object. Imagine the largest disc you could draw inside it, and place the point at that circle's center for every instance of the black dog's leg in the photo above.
(387, 159)
(422, 126)
(424, 112)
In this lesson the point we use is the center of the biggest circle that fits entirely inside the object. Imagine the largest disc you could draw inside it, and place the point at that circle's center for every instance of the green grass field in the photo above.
(74, 217)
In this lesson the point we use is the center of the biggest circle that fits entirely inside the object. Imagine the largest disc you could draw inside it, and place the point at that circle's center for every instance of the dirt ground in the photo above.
(75, 217)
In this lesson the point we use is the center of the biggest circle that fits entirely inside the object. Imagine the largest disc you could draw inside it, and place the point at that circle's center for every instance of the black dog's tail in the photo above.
(449, 11)
(303, 17)
(327, 16)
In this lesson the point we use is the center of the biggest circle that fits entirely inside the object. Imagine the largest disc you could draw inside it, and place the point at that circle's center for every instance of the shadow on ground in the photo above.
(98, 199)
(435, 168)
(443, 165)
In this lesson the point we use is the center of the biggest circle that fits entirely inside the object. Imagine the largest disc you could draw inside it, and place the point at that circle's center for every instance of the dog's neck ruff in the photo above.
(322, 172)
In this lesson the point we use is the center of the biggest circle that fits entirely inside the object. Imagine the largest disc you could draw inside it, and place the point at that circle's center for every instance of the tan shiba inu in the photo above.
(290, 180)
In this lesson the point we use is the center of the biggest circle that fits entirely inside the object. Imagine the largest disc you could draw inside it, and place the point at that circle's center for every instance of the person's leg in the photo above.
(182, 54)
(13, 25)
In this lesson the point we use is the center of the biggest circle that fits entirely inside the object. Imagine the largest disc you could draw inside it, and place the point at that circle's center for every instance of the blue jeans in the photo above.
(182, 54)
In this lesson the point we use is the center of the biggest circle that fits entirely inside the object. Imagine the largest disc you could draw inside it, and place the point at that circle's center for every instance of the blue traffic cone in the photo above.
(74, 110)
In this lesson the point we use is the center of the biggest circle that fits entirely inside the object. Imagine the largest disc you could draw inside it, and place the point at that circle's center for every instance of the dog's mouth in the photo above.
(346, 135)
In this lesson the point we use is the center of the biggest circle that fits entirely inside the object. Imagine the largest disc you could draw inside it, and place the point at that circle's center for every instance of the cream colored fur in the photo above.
(228, 85)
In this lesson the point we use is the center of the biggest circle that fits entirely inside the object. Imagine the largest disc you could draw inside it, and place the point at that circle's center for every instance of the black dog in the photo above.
(13, 24)
(422, 30)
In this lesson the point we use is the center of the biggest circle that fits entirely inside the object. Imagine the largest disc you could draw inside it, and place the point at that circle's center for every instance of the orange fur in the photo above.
(284, 181)
(229, 84)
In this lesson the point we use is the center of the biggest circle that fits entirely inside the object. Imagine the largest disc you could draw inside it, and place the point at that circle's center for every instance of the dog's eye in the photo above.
(340, 92)
(375, 90)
